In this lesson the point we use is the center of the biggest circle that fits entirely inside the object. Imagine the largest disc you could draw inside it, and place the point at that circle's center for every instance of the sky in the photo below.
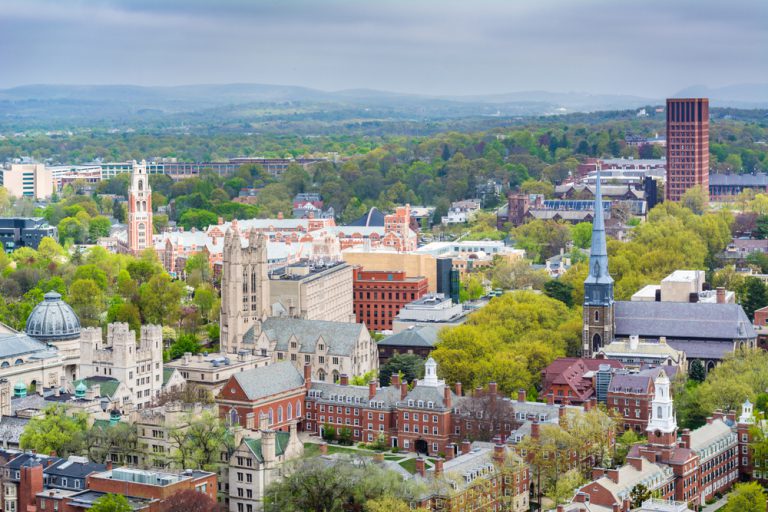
(651, 48)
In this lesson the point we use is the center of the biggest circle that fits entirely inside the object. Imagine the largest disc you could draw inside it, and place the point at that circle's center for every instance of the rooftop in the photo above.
(269, 380)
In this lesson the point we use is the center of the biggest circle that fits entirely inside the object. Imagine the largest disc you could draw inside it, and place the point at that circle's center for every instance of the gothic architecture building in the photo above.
(704, 331)
(598, 288)
(139, 209)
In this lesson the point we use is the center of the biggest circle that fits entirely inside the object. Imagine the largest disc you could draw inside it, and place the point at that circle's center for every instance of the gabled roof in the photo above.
(340, 337)
(570, 371)
(269, 380)
(373, 218)
(703, 436)
(107, 385)
(686, 320)
(75, 467)
(281, 442)
(418, 336)
(631, 383)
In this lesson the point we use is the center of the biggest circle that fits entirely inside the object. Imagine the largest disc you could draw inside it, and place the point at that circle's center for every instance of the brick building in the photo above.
(276, 391)
(380, 295)
(687, 146)
(571, 380)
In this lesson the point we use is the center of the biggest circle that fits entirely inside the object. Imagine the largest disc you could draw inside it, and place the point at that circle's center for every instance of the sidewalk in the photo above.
(716, 505)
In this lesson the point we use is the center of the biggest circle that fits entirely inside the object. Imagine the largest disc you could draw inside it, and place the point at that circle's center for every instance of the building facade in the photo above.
(380, 295)
(139, 210)
(30, 180)
(18, 232)
(138, 365)
(687, 146)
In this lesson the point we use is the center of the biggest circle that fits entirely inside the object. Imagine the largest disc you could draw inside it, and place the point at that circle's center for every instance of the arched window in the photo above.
(597, 342)
(298, 408)
(335, 376)
(289, 412)
(279, 413)
(5, 364)
(19, 361)
(141, 184)
(321, 375)
(271, 416)
(234, 418)
(597, 316)
(658, 412)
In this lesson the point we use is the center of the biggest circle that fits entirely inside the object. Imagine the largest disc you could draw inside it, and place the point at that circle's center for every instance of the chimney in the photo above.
(521, 395)
(323, 448)
(344, 380)
(492, 388)
(447, 397)
(372, 389)
(550, 398)
(109, 465)
(30, 483)
(450, 451)
(394, 380)
(613, 474)
(466, 447)
(421, 466)
(438, 467)
(720, 294)
(307, 376)
(220, 221)
(686, 438)
(457, 388)
(627, 505)
(279, 215)
(616, 507)
(597, 473)
(635, 462)
(561, 508)
(561, 416)
(499, 452)
(587, 405)
(709, 420)
(403, 390)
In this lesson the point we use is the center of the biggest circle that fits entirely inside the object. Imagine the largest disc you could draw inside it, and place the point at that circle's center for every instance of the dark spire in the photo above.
(598, 280)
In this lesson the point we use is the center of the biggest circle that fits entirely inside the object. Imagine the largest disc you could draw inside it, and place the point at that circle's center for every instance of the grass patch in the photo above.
(409, 465)
(313, 450)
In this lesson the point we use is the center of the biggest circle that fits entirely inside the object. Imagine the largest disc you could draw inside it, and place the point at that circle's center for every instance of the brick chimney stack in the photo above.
(447, 397)
(492, 388)
(372, 387)
(344, 379)
(403, 390)
(394, 380)
(457, 388)
(499, 452)
(421, 466)
(466, 447)
(438, 467)
(720, 294)
(550, 398)
(521, 395)
(307, 376)
(535, 429)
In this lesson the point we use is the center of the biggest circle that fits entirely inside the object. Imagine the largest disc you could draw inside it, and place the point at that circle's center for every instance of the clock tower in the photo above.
(599, 324)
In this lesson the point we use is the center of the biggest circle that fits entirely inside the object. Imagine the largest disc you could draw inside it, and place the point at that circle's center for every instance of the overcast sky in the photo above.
(650, 48)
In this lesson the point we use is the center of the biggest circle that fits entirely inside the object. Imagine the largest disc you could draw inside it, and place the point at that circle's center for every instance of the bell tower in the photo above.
(599, 324)
(139, 209)
(662, 425)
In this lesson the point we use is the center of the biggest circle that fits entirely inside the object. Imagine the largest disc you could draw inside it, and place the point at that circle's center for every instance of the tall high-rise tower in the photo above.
(687, 145)
(244, 288)
(598, 287)
(139, 209)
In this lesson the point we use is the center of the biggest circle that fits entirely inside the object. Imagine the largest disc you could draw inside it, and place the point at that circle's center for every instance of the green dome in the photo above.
(20, 389)
(80, 390)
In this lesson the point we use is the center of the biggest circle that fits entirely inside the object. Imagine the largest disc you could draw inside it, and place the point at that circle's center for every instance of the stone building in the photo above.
(257, 462)
(138, 365)
(209, 372)
(54, 322)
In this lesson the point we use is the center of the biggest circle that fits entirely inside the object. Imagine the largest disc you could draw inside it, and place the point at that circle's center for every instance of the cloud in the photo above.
(428, 46)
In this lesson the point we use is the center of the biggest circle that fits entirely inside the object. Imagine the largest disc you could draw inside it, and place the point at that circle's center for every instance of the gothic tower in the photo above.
(662, 425)
(139, 209)
(598, 287)
(244, 288)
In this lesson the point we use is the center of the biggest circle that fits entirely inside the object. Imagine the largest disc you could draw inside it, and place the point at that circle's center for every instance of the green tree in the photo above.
(753, 296)
(410, 366)
(697, 371)
(560, 291)
(695, 199)
(198, 218)
(185, 343)
(121, 311)
(746, 497)
(582, 235)
(56, 430)
(87, 299)
(159, 299)
(112, 503)
(93, 273)
(639, 494)
(206, 300)
(200, 445)
(99, 227)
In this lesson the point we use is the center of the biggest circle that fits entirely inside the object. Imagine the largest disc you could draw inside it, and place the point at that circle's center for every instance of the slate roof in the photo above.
(11, 428)
(434, 394)
(281, 442)
(269, 380)
(745, 180)
(74, 467)
(570, 371)
(340, 337)
(632, 383)
(419, 336)
(686, 320)
(167, 373)
(702, 349)
(20, 344)
(374, 217)
(28, 460)
(704, 436)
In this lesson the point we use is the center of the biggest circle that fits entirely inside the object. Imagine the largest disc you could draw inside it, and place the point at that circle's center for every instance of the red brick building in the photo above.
(380, 295)
(630, 395)
(571, 380)
(687, 145)
(276, 391)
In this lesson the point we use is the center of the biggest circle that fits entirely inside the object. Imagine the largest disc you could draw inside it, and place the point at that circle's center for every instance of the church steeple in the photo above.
(598, 286)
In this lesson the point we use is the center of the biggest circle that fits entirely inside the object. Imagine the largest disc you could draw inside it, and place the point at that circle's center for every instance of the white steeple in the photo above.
(430, 375)
(747, 415)
(662, 409)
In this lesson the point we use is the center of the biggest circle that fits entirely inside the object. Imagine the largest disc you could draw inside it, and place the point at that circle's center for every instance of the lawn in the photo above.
(410, 464)
(313, 450)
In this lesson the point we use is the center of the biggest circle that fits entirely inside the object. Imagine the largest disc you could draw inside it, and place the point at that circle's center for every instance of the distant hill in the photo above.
(53, 106)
